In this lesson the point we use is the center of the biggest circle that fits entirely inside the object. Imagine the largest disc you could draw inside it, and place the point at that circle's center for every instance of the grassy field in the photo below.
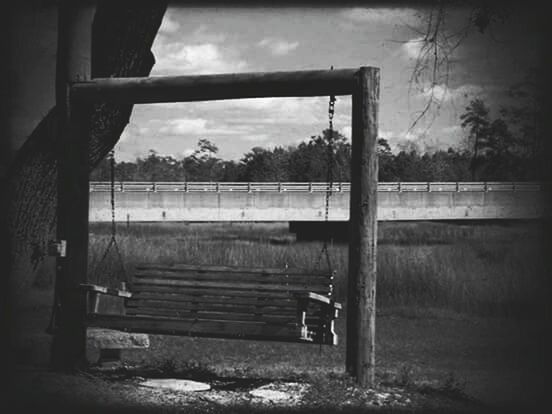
(461, 320)
(491, 269)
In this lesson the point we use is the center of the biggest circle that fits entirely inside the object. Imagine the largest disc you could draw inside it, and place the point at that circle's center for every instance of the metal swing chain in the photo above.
(329, 179)
(113, 241)
(52, 325)
(112, 192)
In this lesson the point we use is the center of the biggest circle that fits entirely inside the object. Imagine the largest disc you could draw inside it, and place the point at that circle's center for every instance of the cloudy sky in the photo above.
(194, 41)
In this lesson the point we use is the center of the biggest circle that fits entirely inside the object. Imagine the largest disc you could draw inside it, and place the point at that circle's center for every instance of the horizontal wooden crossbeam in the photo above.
(216, 87)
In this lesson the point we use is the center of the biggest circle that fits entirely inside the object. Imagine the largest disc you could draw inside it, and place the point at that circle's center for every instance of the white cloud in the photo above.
(168, 25)
(391, 136)
(250, 104)
(385, 134)
(195, 59)
(125, 136)
(403, 140)
(347, 131)
(278, 47)
(195, 126)
(443, 93)
(451, 130)
(171, 29)
(294, 111)
(242, 115)
(422, 139)
(439, 92)
(203, 35)
(262, 111)
(254, 137)
(467, 91)
(132, 130)
(382, 15)
(184, 126)
(188, 151)
(413, 47)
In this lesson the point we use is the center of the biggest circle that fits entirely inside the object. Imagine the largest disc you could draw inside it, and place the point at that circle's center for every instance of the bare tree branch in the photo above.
(438, 44)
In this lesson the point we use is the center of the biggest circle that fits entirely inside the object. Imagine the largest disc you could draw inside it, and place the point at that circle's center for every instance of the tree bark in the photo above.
(122, 36)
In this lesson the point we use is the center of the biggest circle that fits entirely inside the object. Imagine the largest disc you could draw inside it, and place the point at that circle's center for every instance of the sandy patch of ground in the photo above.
(177, 385)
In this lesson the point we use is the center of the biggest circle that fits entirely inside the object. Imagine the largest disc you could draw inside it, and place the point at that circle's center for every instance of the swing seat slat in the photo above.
(211, 328)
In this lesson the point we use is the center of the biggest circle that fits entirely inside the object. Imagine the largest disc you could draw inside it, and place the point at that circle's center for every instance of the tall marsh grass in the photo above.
(478, 269)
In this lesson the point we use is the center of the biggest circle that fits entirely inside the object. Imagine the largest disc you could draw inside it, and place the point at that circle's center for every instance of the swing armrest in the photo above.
(323, 331)
(96, 289)
(321, 299)
(94, 292)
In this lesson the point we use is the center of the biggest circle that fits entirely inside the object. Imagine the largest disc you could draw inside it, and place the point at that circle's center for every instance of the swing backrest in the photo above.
(222, 292)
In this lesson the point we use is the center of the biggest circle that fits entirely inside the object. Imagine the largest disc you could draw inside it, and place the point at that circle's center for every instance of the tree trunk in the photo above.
(122, 35)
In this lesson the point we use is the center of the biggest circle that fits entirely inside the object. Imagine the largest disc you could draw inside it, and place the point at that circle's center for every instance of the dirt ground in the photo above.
(85, 392)
(431, 362)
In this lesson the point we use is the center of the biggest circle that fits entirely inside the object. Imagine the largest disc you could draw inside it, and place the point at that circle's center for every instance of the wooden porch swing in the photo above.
(222, 302)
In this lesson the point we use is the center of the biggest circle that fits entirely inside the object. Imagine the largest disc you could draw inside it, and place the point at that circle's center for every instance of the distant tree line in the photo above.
(503, 149)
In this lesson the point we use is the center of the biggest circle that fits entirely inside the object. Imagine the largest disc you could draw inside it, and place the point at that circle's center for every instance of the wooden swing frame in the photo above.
(75, 95)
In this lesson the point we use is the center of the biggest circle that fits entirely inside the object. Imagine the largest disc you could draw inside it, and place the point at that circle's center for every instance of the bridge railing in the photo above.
(197, 186)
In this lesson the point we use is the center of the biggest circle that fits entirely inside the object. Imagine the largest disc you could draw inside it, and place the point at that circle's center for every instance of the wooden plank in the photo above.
(216, 87)
(175, 290)
(199, 304)
(215, 299)
(222, 329)
(232, 275)
(276, 280)
(199, 291)
(233, 269)
(222, 316)
(230, 285)
(209, 303)
(313, 322)
(195, 308)
(312, 309)
(185, 293)
(211, 307)
(361, 295)
(312, 312)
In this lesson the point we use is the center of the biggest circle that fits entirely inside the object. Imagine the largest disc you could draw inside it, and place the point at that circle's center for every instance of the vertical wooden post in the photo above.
(361, 295)
(73, 63)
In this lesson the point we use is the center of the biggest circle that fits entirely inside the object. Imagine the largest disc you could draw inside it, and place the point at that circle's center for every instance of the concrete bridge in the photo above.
(305, 202)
